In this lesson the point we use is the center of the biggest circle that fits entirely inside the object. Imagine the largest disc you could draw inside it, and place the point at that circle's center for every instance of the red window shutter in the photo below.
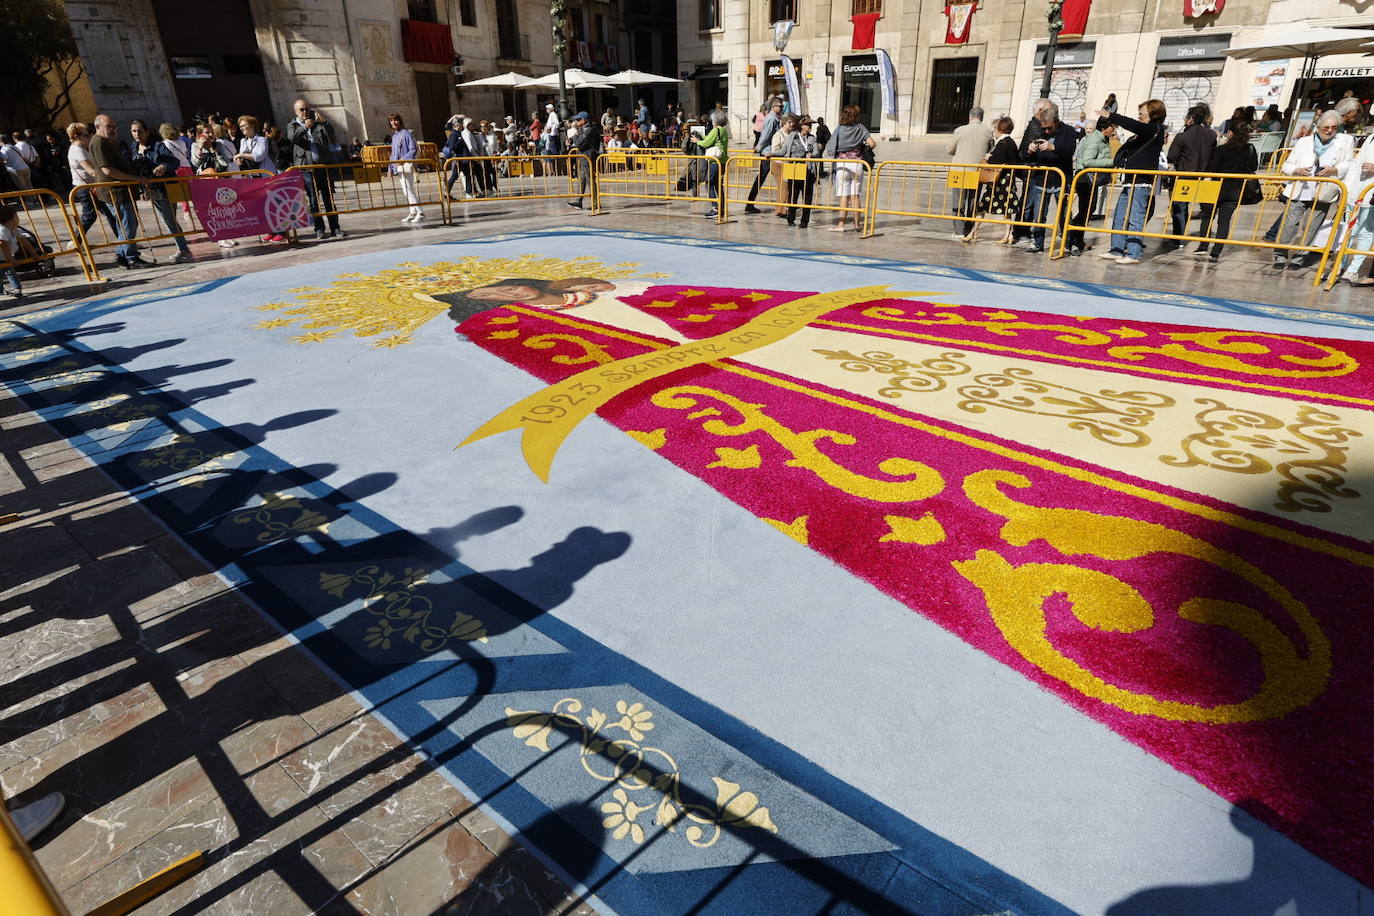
(426, 42)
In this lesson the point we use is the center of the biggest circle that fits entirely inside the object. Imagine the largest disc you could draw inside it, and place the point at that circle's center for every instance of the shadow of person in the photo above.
(483, 523)
(516, 882)
(549, 578)
(1265, 890)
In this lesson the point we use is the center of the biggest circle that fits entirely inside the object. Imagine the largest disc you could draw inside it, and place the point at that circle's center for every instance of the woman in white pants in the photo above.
(1360, 213)
(403, 147)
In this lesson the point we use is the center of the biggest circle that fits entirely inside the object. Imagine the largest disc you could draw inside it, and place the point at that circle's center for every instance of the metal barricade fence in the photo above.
(566, 176)
(797, 186)
(54, 235)
(657, 175)
(1358, 219)
(335, 189)
(1140, 197)
(970, 195)
(160, 198)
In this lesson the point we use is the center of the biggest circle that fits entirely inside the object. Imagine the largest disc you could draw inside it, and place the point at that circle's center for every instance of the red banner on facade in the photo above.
(1075, 13)
(232, 208)
(1195, 8)
(958, 22)
(426, 42)
(865, 27)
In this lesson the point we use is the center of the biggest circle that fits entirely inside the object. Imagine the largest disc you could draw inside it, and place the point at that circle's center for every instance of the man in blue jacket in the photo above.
(770, 127)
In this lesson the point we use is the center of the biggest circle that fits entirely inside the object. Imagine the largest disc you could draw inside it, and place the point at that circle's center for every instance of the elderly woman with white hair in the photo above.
(1324, 153)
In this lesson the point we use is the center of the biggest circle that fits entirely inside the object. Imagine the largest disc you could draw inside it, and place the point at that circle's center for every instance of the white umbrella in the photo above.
(1306, 43)
(638, 78)
(503, 80)
(573, 78)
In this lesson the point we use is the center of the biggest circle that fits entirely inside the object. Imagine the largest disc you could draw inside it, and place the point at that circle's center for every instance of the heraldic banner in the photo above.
(231, 208)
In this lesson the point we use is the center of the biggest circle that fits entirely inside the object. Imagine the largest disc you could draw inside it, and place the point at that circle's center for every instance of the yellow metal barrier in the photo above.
(567, 176)
(36, 215)
(970, 194)
(1210, 190)
(27, 889)
(796, 184)
(373, 186)
(655, 175)
(161, 196)
(1361, 210)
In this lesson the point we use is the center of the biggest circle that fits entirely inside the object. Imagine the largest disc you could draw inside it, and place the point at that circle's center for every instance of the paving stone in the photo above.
(361, 774)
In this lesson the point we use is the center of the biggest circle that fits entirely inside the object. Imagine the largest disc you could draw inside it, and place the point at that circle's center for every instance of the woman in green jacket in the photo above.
(1094, 152)
(716, 146)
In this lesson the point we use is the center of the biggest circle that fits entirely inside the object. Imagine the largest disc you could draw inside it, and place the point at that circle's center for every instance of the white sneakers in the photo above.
(416, 215)
(1118, 258)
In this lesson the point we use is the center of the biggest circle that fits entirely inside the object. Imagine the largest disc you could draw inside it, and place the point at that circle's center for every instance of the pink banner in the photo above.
(231, 208)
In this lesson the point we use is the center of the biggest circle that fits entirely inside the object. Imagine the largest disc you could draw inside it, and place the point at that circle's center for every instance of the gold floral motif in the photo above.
(1017, 596)
(925, 531)
(1004, 327)
(916, 479)
(400, 612)
(1226, 349)
(282, 516)
(638, 772)
(26, 344)
(1113, 417)
(123, 415)
(182, 454)
(1233, 439)
(591, 353)
(397, 302)
(36, 352)
(797, 529)
(926, 375)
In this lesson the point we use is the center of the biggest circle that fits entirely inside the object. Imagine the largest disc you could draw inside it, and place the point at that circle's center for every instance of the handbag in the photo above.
(987, 176)
(1251, 193)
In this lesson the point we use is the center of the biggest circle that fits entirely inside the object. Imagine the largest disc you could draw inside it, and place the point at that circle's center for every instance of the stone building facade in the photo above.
(355, 60)
(1137, 49)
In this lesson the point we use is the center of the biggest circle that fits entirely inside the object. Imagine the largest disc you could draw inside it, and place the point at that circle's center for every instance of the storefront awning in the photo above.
(709, 72)
(1345, 66)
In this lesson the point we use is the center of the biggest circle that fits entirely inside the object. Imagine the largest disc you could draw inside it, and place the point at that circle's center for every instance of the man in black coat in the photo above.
(1191, 151)
(1051, 145)
(586, 141)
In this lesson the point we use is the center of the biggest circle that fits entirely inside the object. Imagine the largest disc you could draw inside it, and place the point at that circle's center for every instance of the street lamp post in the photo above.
(1056, 23)
(558, 12)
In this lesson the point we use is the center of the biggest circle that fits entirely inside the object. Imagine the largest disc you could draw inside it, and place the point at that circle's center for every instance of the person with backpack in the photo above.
(1234, 156)
(850, 141)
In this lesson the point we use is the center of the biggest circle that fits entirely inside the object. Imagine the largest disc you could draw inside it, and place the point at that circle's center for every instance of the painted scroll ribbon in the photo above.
(548, 416)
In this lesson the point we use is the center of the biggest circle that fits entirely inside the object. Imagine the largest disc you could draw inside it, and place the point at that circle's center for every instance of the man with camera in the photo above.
(311, 138)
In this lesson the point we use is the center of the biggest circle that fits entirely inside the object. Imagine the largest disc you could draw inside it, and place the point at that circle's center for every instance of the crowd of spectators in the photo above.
(1141, 148)
(91, 154)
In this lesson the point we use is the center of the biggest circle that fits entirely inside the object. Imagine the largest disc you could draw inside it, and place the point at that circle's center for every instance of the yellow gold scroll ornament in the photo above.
(548, 416)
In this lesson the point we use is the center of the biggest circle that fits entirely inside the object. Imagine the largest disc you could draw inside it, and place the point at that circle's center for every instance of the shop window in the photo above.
(780, 10)
(508, 38)
(1182, 89)
(644, 50)
(421, 10)
(467, 13)
(866, 7)
(709, 13)
(668, 44)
